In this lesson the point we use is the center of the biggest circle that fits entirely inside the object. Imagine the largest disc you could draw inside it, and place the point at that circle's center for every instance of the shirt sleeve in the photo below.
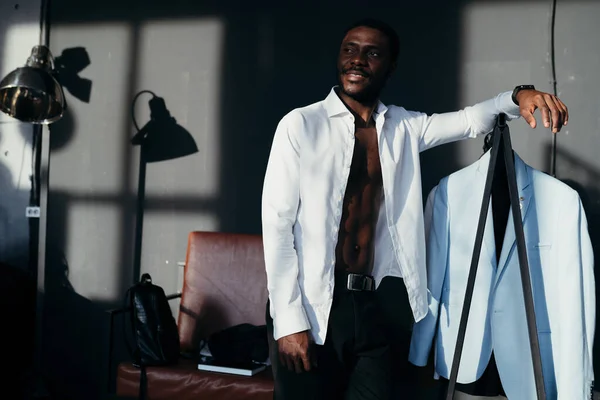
(280, 203)
(470, 122)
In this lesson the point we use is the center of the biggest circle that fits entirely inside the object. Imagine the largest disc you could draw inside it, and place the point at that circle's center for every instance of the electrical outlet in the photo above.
(32, 212)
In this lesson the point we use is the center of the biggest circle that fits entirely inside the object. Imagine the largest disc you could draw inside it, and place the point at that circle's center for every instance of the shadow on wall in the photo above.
(17, 290)
(275, 58)
(14, 230)
(77, 333)
(161, 139)
(6, 207)
(75, 328)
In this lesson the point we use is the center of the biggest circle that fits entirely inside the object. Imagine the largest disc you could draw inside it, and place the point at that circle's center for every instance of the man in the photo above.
(342, 209)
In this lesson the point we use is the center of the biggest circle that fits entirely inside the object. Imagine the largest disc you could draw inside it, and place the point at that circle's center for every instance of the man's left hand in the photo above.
(554, 112)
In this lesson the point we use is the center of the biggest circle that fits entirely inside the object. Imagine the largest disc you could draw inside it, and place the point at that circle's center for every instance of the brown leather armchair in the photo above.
(224, 285)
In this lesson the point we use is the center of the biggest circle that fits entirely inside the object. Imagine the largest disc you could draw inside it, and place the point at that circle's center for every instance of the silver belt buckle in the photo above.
(359, 282)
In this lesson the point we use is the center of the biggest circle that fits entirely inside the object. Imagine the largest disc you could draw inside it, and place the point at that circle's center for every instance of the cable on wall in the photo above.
(554, 83)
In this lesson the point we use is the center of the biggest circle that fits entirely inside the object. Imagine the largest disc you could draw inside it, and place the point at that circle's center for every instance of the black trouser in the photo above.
(355, 362)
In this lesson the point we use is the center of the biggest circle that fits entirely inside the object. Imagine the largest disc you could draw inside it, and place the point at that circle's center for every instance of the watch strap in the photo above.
(518, 89)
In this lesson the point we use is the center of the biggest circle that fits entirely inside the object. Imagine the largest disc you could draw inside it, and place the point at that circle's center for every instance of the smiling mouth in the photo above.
(352, 75)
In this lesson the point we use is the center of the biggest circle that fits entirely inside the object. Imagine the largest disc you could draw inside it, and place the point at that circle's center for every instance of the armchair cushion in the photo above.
(185, 382)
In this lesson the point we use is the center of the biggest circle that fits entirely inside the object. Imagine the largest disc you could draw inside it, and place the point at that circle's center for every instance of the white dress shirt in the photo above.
(303, 194)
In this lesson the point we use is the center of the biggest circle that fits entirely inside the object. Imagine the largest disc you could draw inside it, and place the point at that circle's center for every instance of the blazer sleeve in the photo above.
(589, 297)
(280, 203)
(437, 230)
(470, 122)
(573, 352)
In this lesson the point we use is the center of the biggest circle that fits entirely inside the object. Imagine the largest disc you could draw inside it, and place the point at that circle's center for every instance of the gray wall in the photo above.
(228, 72)
(19, 32)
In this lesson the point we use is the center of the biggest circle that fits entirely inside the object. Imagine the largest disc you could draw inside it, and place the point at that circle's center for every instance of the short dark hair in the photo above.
(383, 28)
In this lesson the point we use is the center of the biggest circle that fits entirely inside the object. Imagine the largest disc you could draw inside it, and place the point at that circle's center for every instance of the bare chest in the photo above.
(365, 160)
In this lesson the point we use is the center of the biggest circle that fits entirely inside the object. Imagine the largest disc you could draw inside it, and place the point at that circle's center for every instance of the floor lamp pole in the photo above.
(41, 174)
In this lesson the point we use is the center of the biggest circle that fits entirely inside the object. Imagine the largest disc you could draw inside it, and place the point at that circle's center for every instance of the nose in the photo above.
(360, 58)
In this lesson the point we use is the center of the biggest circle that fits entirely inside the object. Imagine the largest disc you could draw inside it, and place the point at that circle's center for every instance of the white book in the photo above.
(245, 369)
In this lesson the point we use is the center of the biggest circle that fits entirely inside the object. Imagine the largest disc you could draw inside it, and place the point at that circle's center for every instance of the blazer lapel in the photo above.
(489, 241)
(525, 193)
(489, 244)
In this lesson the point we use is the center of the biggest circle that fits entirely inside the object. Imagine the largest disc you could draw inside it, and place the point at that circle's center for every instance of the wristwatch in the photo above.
(518, 89)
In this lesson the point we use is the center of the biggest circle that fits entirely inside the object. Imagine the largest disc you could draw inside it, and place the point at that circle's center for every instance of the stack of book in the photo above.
(208, 363)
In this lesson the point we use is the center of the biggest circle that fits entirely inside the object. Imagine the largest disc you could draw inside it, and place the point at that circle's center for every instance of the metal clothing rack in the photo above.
(501, 133)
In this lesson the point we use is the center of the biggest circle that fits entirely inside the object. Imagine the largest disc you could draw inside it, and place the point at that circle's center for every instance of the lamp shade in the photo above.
(30, 93)
(162, 138)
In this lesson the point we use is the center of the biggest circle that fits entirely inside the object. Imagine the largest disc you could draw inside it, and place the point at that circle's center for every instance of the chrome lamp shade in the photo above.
(31, 93)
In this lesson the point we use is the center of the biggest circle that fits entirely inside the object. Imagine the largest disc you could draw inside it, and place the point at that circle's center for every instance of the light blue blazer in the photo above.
(561, 264)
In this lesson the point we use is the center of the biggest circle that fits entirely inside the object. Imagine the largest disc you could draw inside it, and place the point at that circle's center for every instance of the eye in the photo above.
(373, 53)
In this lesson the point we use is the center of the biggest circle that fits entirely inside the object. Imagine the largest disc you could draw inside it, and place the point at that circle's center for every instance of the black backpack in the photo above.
(155, 335)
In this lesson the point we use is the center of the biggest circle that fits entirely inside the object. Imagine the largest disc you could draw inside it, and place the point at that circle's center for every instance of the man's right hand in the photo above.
(296, 352)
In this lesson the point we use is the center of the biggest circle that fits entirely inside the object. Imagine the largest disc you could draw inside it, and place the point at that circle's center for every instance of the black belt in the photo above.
(356, 282)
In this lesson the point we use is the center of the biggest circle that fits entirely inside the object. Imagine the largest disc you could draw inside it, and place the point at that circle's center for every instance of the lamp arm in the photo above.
(135, 124)
(45, 23)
